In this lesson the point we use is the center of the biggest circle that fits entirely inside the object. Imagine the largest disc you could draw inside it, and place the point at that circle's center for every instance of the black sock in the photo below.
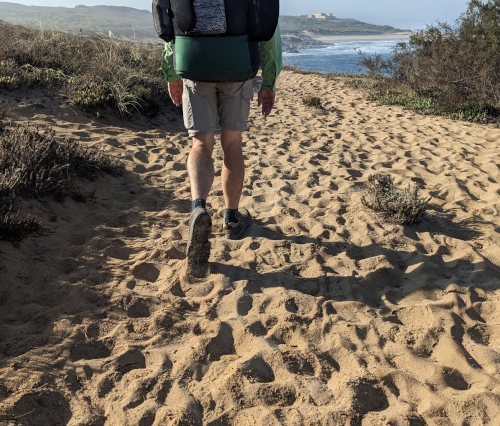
(231, 215)
(200, 202)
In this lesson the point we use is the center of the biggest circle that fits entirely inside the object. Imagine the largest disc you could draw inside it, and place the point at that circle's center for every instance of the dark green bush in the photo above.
(453, 71)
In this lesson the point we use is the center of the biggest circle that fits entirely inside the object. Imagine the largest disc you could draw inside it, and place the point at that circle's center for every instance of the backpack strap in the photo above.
(264, 15)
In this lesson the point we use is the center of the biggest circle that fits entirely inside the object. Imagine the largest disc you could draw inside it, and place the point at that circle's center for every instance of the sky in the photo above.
(398, 13)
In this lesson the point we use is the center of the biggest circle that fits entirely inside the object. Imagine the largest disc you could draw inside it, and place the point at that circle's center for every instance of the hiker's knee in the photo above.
(204, 142)
(231, 140)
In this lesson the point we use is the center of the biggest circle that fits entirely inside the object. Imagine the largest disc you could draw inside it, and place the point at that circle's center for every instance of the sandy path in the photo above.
(322, 315)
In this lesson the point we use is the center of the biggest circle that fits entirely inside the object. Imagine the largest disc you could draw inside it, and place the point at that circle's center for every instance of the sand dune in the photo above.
(322, 315)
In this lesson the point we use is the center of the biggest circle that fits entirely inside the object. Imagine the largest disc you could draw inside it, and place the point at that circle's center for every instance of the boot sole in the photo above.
(198, 249)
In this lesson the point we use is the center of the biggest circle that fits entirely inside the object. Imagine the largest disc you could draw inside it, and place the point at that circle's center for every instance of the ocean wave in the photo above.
(341, 56)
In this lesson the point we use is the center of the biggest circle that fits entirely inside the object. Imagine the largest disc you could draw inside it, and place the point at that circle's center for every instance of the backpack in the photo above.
(256, 18)
(216, 40)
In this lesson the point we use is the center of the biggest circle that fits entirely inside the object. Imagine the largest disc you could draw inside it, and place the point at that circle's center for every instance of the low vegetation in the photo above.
(13, 225)
(98, 73)
(393, 204)
(452, 71)
(312, 101)
(34, 163)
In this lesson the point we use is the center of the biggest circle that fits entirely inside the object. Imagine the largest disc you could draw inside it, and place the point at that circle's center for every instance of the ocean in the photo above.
(341, 56)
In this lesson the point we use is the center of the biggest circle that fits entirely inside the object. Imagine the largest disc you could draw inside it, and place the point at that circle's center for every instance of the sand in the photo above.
(323, 314)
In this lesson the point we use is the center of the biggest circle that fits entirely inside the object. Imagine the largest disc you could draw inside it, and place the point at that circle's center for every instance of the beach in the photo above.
(388, 36)
(323, 314)
(341, 54)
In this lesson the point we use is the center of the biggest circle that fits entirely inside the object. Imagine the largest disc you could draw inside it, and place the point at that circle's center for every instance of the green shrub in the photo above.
(424, 105)
(13, 76)
(395, 205)
(93, 98)
(10, 82)
(459, 66)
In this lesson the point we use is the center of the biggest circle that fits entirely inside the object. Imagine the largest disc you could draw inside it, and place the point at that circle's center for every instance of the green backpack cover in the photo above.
(213, 39)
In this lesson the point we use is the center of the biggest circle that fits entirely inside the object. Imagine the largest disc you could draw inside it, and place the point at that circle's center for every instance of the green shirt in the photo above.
(270, 61)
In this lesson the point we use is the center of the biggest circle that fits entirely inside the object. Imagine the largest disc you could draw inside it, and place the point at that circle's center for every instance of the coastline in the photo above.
(388, 36)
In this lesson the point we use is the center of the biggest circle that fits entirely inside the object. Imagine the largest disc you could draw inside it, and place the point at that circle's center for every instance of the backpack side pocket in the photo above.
(162, 19)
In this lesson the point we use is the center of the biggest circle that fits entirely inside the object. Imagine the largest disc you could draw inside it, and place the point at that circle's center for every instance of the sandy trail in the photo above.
(322, 315)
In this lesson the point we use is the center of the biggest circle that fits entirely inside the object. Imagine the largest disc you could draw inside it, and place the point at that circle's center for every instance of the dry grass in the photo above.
(13, 225)
(99, 74)
(35, 163)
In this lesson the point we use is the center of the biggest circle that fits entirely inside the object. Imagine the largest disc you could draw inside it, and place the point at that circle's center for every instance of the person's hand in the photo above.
(175, 92)
(266, 99)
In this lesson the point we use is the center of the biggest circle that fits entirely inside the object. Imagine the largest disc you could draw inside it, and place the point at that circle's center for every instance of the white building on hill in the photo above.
(321, 16)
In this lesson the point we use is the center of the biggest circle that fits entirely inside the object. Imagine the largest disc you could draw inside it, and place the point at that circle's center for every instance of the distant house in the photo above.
(321, 16)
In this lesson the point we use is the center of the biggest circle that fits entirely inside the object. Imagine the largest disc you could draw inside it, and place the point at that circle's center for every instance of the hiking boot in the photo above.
(235, 230)
(198, 246)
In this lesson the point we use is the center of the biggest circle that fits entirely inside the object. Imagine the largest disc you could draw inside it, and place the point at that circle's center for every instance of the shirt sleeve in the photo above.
(271, 60)
(167, 63)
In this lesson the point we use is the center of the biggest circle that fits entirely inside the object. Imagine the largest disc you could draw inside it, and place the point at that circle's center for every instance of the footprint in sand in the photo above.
(45, 407)
(138, 309)
(146, 271)
(256, 370)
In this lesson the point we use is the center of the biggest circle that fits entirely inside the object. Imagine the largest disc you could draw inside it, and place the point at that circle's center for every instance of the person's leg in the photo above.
(201, 175)
(234, 106)
(200, 165)
(233, 169)
(199, 102)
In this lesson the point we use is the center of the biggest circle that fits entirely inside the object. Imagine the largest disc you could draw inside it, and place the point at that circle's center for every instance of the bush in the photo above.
(93, 97)
(458, 67)
(312, 101)
(14, 77)
(400, 206)
(422, 104)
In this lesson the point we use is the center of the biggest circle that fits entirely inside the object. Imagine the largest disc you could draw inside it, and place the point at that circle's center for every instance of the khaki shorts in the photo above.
(207, 105)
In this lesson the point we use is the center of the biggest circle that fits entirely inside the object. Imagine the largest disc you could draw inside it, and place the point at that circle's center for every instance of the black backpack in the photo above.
(256, 18)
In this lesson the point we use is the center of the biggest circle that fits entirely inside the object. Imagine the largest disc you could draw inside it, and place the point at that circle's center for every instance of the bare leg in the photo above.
(233, 170)
(200, 165)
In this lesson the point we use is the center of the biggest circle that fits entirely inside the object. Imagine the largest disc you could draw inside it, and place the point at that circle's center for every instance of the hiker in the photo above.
(209, 61)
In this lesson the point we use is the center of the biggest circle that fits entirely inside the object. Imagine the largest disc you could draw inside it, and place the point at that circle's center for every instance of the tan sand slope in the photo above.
(322, 315)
